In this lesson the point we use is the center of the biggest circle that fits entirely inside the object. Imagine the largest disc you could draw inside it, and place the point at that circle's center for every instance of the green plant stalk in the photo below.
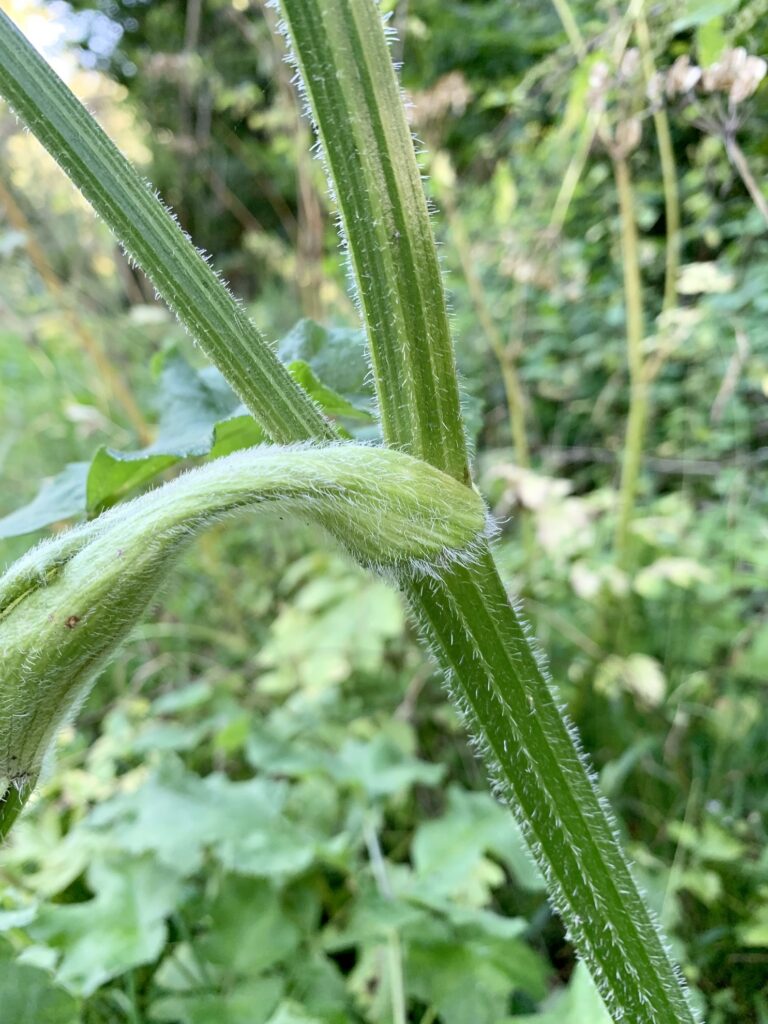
(573, 172)
(738, 158)
(377, 186)
(571, 26)
(668, 173)
(153, 239)
(450, 608)
(637, 418)
(496, 675)
(70, 602)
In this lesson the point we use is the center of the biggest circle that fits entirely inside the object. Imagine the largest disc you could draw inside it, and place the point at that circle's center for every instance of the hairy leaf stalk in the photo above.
(377, 186)
(350, 83)
(68, 604)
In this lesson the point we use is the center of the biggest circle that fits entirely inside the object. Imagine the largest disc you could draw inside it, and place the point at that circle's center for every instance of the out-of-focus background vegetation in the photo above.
(268, 811)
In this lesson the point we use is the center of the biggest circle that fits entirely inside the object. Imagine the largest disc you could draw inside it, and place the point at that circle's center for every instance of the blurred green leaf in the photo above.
(471, 983)
(249, 1002)
(249, 930)
(63, 497)
(579, 1004)
(699, 12)
(178, 816)
(28, 996)
(123, 925)
(450, 853)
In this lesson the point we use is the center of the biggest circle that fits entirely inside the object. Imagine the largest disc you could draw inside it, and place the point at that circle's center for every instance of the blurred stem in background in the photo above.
(444, 179)
(626, 138)
(110, 378)
(573, 174)
(739, 161)
(570, 25)
(637, 418)
(668, 171)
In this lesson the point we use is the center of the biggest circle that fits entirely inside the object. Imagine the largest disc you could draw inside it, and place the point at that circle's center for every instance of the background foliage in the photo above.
(267, 811)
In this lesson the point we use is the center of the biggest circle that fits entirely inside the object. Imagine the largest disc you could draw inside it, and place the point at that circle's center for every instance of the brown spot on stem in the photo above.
(72, 621)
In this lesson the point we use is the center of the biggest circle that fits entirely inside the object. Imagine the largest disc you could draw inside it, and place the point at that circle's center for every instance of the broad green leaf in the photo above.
(450, 853)
(192, 403)
(710, 842)
(337, 624)
(754, 931)
(200, 416)
(381, 767)
(336, 355)
(250, 1002)
(472, 982)
(372, 918)
(329, 400)
(699, 12)
(710, 41)
(293, 1013)
(122, 926)
(579, 1004)
(249, 930)
(178, 817)
(29, 996)
(63, 497)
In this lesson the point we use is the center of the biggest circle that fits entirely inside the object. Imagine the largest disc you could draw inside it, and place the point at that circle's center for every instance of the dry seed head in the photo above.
(627, 136)
(682, 77)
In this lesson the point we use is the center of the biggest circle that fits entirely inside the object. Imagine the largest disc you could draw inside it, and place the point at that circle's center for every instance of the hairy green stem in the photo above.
(537, 767)
(359, 117)
(638, 385)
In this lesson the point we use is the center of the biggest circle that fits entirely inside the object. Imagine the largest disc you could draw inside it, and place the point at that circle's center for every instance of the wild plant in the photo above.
(407, 508)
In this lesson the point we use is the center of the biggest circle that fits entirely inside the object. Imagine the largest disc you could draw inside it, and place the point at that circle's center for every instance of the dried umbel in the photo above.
(449, 96)
(70, 602)
(737, 74)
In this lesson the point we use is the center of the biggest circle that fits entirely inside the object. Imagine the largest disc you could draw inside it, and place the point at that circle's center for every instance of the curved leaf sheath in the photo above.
(68, 604)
